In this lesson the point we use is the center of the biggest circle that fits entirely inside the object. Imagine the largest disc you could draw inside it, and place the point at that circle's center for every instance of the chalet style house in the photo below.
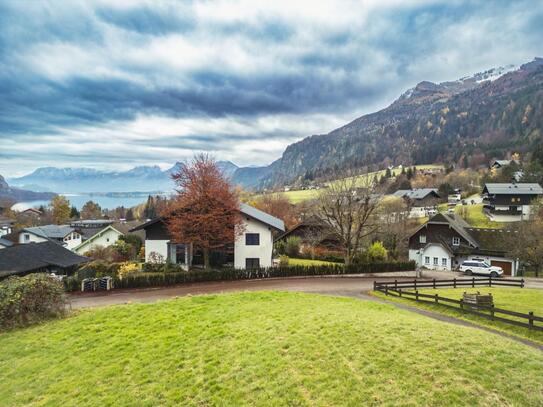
(445, 241)
(423, 201)
(254, 249)
(312, 234)
(510, 202)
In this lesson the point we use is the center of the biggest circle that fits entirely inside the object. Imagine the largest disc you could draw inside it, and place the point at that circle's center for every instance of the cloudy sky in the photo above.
(113, 84)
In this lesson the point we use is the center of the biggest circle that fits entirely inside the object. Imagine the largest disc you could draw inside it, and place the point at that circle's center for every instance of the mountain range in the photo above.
(8, 193)
(87, 180)
(467, 122)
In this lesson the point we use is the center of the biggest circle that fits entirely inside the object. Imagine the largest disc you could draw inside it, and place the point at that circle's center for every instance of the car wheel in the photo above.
(493, 274)
(469, 272)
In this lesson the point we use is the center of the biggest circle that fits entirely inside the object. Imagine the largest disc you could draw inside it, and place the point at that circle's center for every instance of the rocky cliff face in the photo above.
(476, 118)
(16, 195)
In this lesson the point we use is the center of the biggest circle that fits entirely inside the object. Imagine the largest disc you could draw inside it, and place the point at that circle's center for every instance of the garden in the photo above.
(265, 348)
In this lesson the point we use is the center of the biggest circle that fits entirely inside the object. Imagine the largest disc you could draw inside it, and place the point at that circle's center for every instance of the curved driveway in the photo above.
(343, 286)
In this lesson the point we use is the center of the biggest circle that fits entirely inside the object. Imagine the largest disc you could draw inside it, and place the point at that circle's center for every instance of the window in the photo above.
(436, 261)
(252, 263)
(427, 260)
(252, 239)
(456, 241)
(444, 262)
(422, 238)
(27, 237)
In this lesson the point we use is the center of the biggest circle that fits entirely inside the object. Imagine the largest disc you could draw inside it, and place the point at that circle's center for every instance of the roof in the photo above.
(491, 239)
(485, 240)
(50, 231)
(245, 209)
(29, 257)
(263, 217)
(419, 193)
(6, 221)
(6, 242)
(91, 223)
(510, 188)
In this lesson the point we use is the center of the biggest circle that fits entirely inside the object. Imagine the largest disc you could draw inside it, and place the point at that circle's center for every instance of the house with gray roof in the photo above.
(422, 201)
(510, 202)
(43, 257)
(65, 235)
(447, 240)
(253, 249)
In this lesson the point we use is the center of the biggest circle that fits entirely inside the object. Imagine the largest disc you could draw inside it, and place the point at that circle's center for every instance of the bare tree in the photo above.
(346, 208)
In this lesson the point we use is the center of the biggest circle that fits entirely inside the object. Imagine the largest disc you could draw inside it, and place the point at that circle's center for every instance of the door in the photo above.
(505, 265)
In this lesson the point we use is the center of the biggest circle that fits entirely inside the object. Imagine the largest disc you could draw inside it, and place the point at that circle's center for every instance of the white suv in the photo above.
(480, 267)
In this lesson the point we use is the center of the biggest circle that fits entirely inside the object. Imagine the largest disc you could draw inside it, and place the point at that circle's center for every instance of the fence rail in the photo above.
(403, 289)
(452, 283)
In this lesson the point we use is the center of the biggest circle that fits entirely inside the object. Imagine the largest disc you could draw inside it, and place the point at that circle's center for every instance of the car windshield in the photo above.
(483, 264)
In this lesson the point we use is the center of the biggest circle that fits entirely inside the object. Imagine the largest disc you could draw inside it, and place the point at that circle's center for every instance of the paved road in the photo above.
(345, 286)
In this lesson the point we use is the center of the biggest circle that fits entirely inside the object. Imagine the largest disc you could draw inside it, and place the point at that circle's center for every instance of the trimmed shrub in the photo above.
(30, 299)
(156, 279)
(292, 246)
(98, 269)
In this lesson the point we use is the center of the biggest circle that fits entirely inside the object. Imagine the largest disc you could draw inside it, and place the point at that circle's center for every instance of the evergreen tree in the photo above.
(74, 213)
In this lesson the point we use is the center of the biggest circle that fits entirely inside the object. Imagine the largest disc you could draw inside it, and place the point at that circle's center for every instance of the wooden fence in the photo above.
(404, 289)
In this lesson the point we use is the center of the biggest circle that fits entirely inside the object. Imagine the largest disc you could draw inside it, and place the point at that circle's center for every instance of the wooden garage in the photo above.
(505, 265)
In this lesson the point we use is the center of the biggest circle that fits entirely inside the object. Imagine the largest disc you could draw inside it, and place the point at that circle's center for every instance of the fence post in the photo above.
(400, 292)
(436, 299)
(454, 282)
(416, 295)
(473, 282)
(374, 285)
(434, 283)
(490, 281)
(522, 283)
(386, 289)
(531, 320)
(415, 284)
(395, 284)
(492, 311)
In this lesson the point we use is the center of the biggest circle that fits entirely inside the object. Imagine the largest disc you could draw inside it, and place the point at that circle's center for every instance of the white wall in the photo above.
(263, 251)
(103, 239)
(72, 240)
(157, 246)
(432, 251)
(5, 230)
(33, 238)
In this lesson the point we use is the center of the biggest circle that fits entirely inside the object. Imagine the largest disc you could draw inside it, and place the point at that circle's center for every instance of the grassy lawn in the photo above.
(474, 215)
(266, 349)
(515, 299)
(308, 262)
(298, 196)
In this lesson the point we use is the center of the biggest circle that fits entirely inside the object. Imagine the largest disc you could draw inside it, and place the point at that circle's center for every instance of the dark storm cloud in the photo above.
(100, 66)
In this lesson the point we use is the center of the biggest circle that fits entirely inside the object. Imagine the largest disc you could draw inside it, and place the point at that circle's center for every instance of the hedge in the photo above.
(158, 277)
(30, 299)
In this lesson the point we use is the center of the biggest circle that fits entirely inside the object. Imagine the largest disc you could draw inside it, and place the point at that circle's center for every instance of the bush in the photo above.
(292, 246)
(127, 268)
(156, 279)
(30, 299)
(156, 275)
(283, 261)
(98, 269)
(377, 252)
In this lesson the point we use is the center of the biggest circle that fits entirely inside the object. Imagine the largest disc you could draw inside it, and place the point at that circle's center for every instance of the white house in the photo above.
(67, 236)
(6, 225)
(447, 240)
(103, 238)
(252, 249)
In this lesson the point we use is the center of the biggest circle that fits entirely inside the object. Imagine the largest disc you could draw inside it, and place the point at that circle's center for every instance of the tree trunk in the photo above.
(206, 258)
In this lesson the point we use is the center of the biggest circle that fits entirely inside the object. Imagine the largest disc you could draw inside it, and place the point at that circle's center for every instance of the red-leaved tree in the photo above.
(205, 211)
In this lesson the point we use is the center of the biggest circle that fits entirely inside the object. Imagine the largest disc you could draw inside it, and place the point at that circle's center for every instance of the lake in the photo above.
(105, 202)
